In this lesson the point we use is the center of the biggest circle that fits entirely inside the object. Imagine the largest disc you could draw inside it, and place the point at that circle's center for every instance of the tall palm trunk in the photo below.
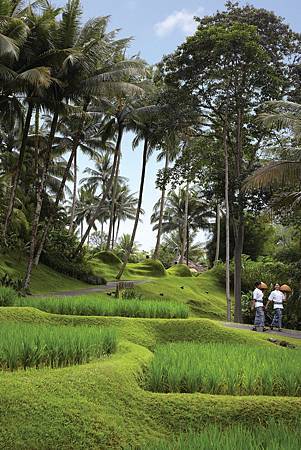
(59, 194)
(226, 159)
(36, 146)
(39, 202)
(117, 230)
(184, 231)
(142, 179)
(74, 193)
(105, 193)
(162, 202)
(218, 233)
(114, 191)
(18, 169)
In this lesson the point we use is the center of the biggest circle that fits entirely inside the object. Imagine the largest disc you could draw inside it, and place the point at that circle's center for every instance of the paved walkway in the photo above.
(284, 333)
(111, 285)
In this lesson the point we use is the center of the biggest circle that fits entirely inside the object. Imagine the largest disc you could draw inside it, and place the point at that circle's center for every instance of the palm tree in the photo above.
(285, 173)
(85, 206)
(169, 151)
(144, 121)
(125, 209)
(199, 213)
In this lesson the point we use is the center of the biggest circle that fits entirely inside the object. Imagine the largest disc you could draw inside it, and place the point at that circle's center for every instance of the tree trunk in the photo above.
(113, 232)
(71, 226)
(239, 239)
(158, 242)
(228, 293)
(60, 191)
(114, 191)
(142, 179)
(117, 231)
(36, 146)
(18, 169)
(187, 244)
(239, 225)
(185, 224)
(81, 229)
(104, 194)
(218, 233)
(39, 202)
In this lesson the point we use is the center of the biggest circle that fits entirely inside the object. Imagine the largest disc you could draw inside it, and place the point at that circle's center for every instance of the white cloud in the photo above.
(181, 20)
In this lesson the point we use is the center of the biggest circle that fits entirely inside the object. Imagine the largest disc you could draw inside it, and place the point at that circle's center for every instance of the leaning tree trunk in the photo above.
(39, 202)
(142, 179)
(117, 230)
(16, 176)
(59, 194)
(73, 206)
(162, 201)
(218, 233)
(114, 191)
(226, 159)
(184, 241)
(104, 196)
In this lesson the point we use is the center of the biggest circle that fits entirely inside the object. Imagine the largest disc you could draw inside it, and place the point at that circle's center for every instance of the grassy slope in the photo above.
(44, 279)
(101, 405)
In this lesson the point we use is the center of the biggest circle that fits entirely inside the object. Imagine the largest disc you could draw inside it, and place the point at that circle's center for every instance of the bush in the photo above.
(264, 269)
(8, 296)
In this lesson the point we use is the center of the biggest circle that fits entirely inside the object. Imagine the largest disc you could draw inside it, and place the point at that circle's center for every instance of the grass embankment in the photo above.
(91, 305)
(102, 405)
(217, 368)
(44, 279)
(30, 345)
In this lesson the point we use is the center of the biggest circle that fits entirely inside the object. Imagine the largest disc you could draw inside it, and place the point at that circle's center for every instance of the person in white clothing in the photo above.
(277, 297)
(259, 307)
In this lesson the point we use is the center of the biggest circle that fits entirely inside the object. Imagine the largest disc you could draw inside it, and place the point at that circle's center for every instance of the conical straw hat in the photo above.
(285, 288)
(263, 285)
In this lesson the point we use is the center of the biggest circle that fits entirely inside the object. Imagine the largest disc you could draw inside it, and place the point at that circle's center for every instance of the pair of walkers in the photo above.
(276, 297)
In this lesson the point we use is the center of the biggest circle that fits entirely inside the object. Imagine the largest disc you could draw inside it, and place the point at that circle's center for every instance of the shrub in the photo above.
(91, 306)
(231, 369)
(24, 345)
(8, 296)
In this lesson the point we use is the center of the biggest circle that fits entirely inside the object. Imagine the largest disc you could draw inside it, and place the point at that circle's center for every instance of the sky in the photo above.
(157, 28)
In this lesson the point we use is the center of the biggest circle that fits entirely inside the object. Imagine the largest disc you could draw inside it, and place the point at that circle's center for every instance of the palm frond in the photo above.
(276, 173)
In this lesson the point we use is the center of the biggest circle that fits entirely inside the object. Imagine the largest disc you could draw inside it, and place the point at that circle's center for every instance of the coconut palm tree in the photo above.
(169, 151)
(125, 209)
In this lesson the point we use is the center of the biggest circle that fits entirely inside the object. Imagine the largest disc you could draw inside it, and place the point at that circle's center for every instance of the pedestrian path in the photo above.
(285, 332)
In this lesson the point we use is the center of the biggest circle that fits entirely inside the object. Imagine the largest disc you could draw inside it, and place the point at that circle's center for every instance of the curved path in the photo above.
(111, 285)
(285, 332)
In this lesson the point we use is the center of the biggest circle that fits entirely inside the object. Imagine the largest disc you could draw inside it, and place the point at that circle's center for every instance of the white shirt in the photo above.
(258, 297)
(277, 298)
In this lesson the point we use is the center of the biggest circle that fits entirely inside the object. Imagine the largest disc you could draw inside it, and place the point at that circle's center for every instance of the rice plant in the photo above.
(237, 437)
(218, 368)
(27, 345)
(93, 306)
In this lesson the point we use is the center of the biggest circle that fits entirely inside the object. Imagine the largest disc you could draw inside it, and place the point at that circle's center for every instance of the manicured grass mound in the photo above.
(27, 345)
(231, 369)
(91, 306)
(108, 258)
(180, 270)
(44, 279)
(148, 268)
(275, 436)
